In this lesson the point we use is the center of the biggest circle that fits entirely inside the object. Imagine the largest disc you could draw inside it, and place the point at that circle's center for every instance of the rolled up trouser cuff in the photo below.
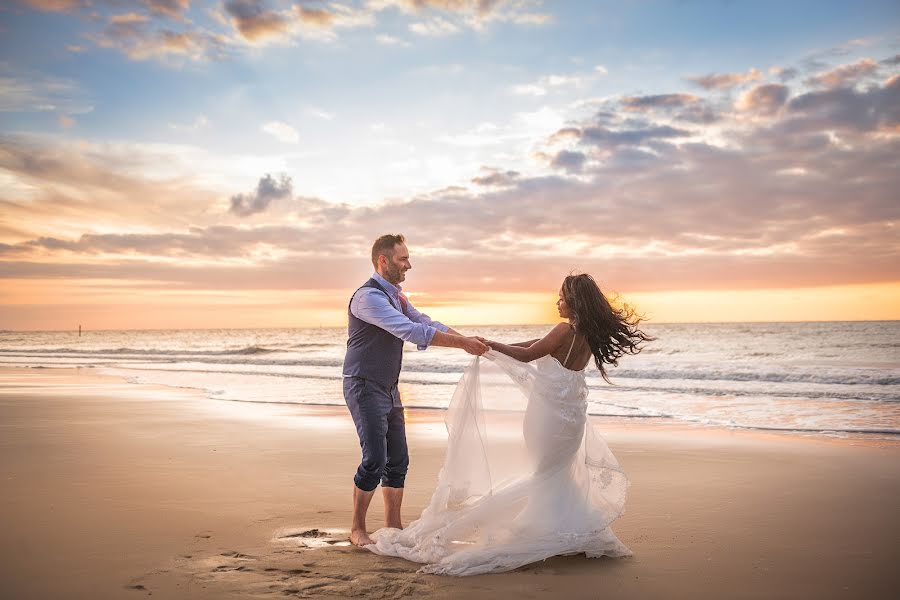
(366, 484)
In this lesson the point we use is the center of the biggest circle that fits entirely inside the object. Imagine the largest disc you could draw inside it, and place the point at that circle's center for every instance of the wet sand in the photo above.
(114, 490)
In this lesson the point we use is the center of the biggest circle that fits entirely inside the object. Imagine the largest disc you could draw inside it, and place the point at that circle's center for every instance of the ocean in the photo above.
(837, 379)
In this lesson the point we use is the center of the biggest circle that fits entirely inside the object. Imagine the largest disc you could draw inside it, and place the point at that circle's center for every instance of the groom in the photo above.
(381, 319)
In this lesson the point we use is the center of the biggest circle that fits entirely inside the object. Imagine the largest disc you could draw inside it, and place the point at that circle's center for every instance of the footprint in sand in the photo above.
(235, 554)
(313, 538)
(270, 572)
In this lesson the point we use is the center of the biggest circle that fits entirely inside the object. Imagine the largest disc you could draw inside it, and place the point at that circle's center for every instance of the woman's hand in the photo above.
(486, 341)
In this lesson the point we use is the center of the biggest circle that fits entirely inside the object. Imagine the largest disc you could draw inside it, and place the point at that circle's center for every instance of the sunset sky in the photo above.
(178, 163)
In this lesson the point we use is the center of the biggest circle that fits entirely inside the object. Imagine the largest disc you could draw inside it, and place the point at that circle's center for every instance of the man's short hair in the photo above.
(384, 246)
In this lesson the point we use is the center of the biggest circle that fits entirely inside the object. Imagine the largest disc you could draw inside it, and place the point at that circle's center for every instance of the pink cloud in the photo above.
(845, 74)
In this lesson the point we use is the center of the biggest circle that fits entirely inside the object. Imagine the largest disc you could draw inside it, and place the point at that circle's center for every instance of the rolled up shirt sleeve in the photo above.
(372, 306)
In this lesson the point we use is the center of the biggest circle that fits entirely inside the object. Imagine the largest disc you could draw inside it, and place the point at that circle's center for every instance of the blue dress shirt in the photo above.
(410, 325)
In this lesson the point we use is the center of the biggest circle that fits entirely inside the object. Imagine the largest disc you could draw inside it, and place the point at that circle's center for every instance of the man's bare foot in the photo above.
(360, 538)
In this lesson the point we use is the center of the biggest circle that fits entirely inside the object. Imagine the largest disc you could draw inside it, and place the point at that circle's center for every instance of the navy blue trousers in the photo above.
(381, 427)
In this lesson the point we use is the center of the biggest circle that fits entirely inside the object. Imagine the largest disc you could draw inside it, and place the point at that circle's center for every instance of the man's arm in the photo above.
(453, 340)
(373, 306)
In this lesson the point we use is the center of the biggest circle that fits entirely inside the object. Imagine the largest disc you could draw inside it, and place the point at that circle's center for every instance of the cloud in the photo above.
(599, 135)
(60, 186)
(784, 74)
(161, 30)
(126, 18)
(845, 74)
(821, 59)
(475, 14)
(314, 16)
(389, 40)
(282, 132)
(875, 109)
(258, 24)
(491, 177)
(645, 103)
(542, 85)
(141, 39)
(569, 160)
(764, 99)
(434, 27)
(65, 121)
(682, 107)
(56, 5)
(35, 92)
(172, 9)
(267, 190)
(482, 7)
(254, 21)
(724, 81)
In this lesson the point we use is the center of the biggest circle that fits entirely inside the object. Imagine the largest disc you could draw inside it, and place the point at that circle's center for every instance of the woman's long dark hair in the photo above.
(610, 332)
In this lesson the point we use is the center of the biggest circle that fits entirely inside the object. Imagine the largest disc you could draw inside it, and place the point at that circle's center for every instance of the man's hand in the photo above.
(469, 344)
(475, 346)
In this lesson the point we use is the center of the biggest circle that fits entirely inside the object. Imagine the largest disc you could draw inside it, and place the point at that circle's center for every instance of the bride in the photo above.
(525, 476)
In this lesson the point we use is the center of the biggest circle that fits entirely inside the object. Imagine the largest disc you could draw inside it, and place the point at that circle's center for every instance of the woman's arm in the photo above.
(519, 344)
(535, 350)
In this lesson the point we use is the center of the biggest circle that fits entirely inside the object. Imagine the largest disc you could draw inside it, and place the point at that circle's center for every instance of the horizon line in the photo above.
(643, 322)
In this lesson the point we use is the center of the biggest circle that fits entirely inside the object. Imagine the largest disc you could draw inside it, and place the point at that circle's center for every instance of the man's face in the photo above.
(395, 268)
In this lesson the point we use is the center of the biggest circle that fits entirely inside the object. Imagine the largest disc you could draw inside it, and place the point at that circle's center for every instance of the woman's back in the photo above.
(573, 353)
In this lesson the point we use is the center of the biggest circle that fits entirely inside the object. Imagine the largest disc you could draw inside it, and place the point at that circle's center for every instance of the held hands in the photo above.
(475, 345)
(485, 341)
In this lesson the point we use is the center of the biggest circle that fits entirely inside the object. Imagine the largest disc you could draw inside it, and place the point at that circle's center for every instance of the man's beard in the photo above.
(393, 273)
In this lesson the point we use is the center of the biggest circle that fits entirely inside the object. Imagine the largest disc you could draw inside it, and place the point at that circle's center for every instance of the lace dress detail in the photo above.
(525, 476)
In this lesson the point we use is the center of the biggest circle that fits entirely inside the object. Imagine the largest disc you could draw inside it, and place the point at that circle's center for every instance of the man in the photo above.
(380, 320)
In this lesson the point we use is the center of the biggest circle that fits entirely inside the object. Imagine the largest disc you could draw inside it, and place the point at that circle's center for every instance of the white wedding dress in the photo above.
(525, 476)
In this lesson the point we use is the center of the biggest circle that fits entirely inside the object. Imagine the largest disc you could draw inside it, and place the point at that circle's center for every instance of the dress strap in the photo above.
(572, 345)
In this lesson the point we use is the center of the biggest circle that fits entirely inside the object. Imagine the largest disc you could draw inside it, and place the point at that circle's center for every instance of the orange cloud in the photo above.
(845, 74)
(764, 99)
(254, 21)
(172, 9)
(56, 5)
(314, 16)
(725, 81)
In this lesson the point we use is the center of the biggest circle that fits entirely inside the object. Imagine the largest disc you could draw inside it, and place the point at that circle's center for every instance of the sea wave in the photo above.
(251, 357)
(798, 375)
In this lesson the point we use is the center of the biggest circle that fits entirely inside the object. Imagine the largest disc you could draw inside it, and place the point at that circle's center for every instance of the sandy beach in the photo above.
(115, 490)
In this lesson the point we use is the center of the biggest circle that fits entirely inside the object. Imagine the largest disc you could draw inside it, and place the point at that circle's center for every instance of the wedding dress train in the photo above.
(525, 476)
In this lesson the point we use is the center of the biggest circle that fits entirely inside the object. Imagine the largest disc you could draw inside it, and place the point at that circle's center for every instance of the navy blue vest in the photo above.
(372, 352)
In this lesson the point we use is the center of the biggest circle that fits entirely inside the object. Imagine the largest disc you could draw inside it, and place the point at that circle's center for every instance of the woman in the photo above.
(525, 476)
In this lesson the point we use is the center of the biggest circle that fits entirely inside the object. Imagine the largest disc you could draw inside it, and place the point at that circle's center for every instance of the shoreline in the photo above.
(874, 435)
